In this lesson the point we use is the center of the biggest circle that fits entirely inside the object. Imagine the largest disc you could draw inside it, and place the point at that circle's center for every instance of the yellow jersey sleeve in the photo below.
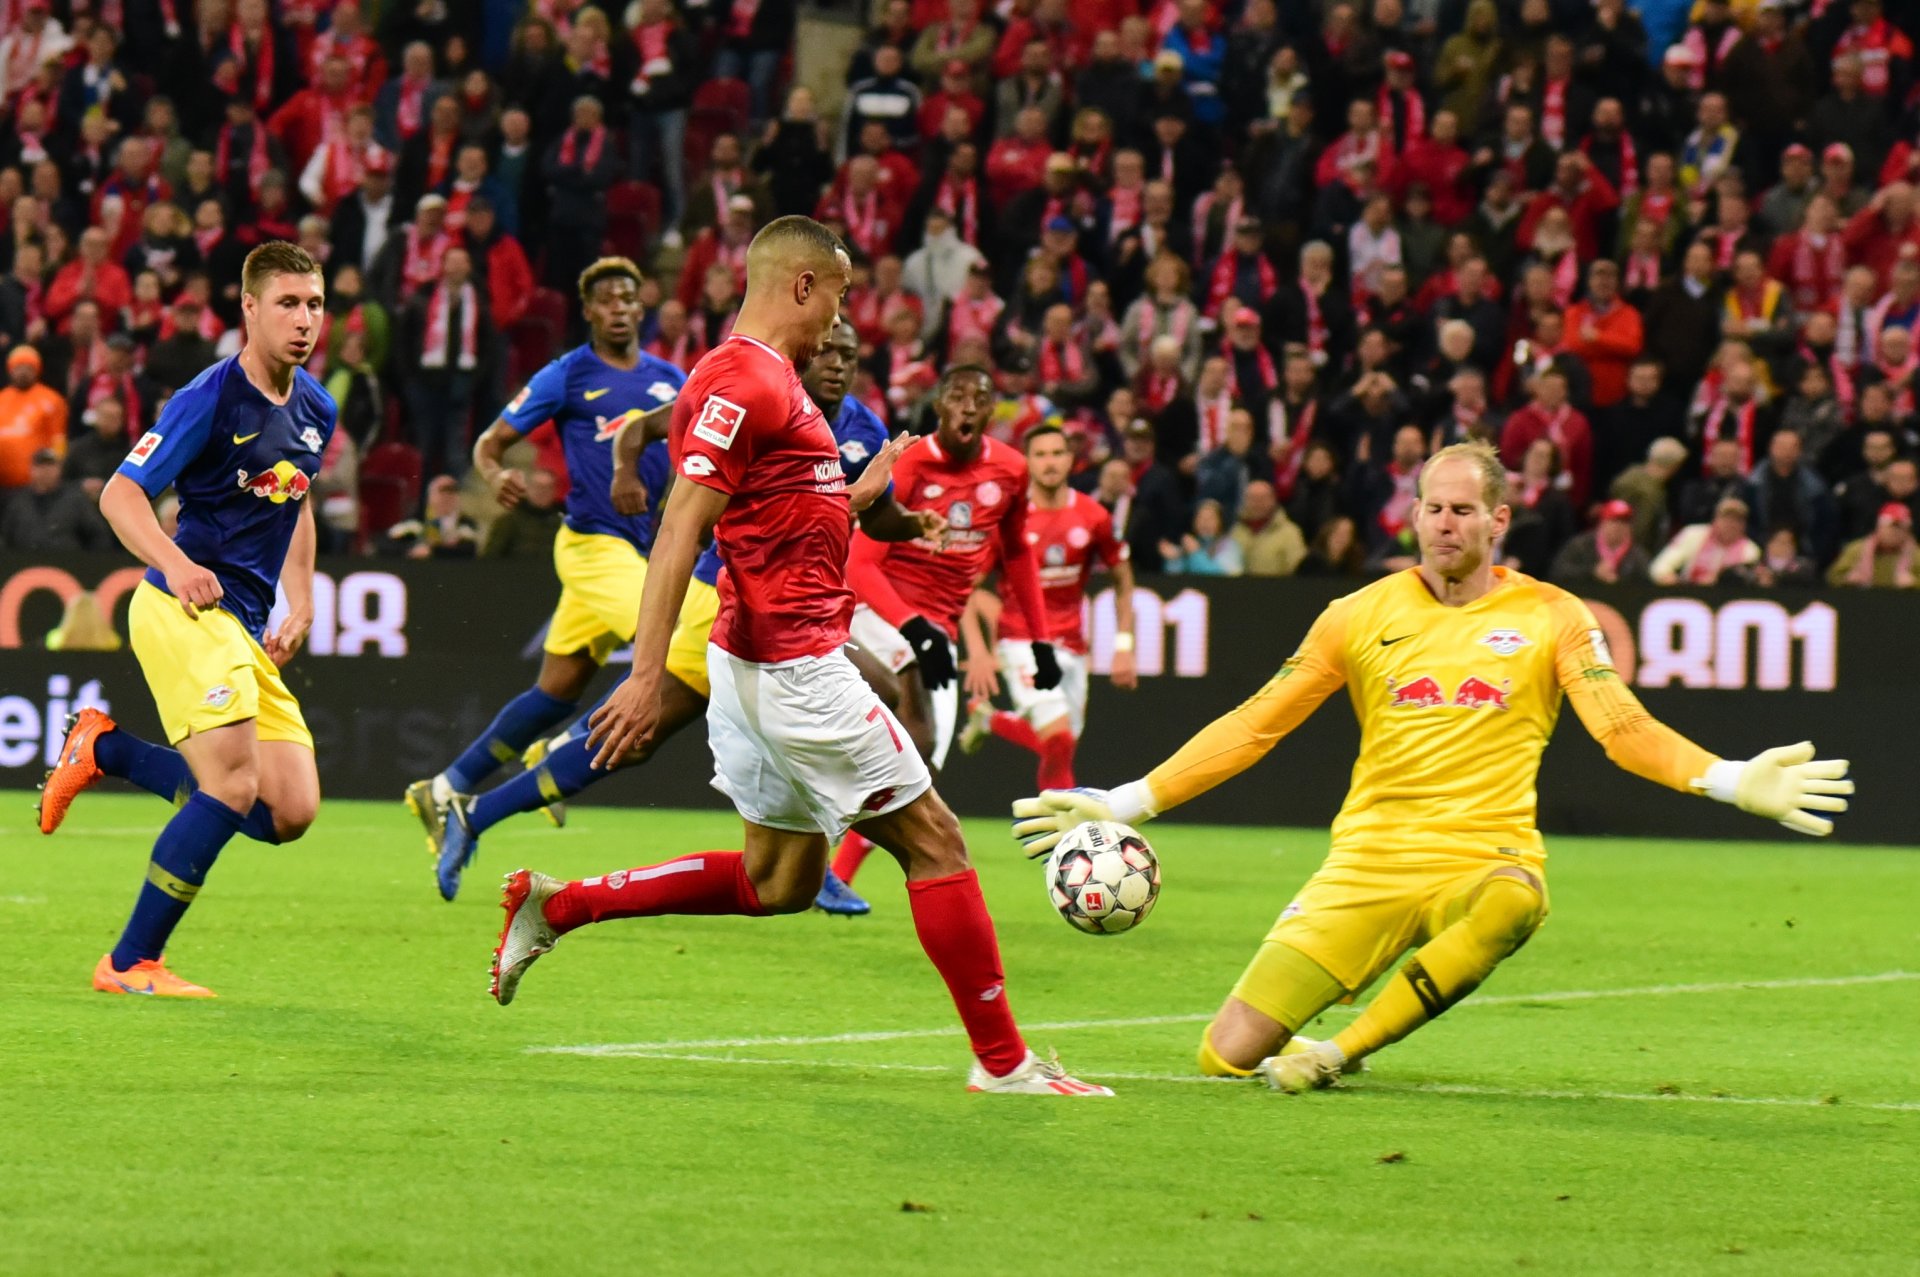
(1236, 741)
(1635, 740)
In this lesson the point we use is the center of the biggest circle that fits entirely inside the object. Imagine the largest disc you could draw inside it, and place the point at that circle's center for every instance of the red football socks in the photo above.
(706, 882)
(854, 850)
(1056, 760)
(954, 928)
(1012, 727)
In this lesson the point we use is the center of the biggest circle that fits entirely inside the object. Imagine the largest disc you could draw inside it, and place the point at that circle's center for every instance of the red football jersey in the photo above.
(743, 425)
(1067, 543)
(983, 500)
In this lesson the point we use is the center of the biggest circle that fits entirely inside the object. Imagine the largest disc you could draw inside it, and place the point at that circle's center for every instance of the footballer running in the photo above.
(805, 749)
(240, 445)
(1456, 669)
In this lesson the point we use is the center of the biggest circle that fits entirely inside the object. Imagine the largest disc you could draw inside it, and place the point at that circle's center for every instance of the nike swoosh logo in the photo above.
(244, 438)
(592, 395)
(130, 989)
(1389, 642)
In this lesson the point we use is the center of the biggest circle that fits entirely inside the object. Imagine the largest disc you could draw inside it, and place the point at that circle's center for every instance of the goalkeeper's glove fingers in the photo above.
(1786, 784)
(1040, 823)
(1046, 668)
(931, 650)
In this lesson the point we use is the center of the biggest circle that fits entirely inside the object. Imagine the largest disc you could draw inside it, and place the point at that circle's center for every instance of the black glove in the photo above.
(1046, 668)
(931, 649)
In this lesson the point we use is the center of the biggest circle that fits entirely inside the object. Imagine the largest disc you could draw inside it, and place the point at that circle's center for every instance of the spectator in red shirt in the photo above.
(1442, 165)
(308, 118)
(1017, 164)
(133, 185)
(1584, 192)
(1548, 415)
(956, 90)
(1878, 233)
(91, 276)
(498, 257)
(346, 37)
(724, 247)
(1606, 334)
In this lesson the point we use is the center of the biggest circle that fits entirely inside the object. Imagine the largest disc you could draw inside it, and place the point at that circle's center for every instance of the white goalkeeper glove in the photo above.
(1041, 822)
(1785, 784)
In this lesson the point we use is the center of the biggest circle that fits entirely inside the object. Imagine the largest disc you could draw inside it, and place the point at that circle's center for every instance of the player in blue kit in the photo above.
(590, 394)
(563, 766)
(240, 445)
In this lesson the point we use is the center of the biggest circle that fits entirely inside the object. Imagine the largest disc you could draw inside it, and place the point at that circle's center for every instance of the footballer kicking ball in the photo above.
(1103, 878)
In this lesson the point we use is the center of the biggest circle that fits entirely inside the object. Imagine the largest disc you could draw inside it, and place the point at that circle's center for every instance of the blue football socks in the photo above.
(517, 726)
(182, 857)
(562, 774)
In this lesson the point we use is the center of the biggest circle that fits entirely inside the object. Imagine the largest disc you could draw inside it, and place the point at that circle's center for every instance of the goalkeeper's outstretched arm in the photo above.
(1219, 751)
(1786, 784)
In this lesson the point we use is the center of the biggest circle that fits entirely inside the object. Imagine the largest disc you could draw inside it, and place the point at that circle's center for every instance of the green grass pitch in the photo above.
(1704, 1063)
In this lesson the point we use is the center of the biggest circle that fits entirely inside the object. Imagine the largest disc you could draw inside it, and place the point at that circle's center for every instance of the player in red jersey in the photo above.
(800, 743)
(1070, 534)
(912, 592)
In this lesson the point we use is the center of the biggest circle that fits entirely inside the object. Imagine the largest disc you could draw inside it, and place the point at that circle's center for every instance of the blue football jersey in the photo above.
(860, 435)
(656, 468)
(588, 400)
(241, 465)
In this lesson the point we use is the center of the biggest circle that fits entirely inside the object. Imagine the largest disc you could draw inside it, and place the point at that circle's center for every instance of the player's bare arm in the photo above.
(981, 670)
(296, 578)
(125, 508)
(508, 484)
(1124, 672)
(873, 481)
(629, 494)
(628, 717)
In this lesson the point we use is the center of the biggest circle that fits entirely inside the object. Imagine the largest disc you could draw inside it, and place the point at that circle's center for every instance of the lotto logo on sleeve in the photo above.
(719, 422)
(697, 466)
(144, 449)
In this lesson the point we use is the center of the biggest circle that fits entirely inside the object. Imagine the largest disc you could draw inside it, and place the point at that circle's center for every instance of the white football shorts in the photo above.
(890, 647)
(1068, 700)
(805, 745)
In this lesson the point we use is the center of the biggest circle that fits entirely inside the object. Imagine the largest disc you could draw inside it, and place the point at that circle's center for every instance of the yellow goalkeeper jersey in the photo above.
(1455, 706)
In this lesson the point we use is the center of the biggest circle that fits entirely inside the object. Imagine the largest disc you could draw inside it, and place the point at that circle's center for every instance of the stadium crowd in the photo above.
(1259, 258)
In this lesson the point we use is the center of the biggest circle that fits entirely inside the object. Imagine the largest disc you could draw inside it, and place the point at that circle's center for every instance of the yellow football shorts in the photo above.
(206, 671)
(687, 653)
(601, 579)
(1356, 916)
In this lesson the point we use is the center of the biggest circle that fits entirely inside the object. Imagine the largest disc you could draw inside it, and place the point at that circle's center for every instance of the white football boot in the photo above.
(526, 935)
(1035, 1076)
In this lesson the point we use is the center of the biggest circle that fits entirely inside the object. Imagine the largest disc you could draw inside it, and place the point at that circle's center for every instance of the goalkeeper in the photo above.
(1456, 670)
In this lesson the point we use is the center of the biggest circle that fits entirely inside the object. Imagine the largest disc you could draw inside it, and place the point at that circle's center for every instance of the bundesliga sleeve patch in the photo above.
(720, 421)
(519, 400)
(149, 442)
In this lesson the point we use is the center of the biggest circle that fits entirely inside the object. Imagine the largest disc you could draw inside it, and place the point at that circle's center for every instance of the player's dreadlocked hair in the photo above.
(275, 257)
(609, 268)
(1493, 475)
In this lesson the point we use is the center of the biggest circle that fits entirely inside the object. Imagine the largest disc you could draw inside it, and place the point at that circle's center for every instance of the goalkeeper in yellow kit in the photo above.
(1456, 669)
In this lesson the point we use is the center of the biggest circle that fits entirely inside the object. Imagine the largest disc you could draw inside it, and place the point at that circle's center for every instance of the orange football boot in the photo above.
(150, 978)
(75, 769)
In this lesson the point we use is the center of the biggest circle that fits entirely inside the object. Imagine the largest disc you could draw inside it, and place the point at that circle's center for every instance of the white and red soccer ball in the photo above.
(1103, 878)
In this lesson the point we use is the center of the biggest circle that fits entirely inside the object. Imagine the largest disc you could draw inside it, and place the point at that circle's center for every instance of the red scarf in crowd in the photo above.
(1726, 420)
(261, 64)
(1317, 330)
(1180, 317)
(1629, 182)
(1397, 513)
(420, 268)
(869, 231)
(1061, 361)
(1566, 278)
(1900, 375)
(1656, 207)
(683, 353)
(439, 159)
(1553, 114)
(126, 389)
(1227, 270)
(1297, 438)
(1158, 389)
(1872, 44)
(970, 318)
(1123, 204)
(1643, 271)
(433, 352)
(1817, 269)
(650, 38)
(1695, 41)
(257, 159)
(1414, 109)
(960, 201)
(1269, 376)
(596, 143)
(410, 110)
(740, 20)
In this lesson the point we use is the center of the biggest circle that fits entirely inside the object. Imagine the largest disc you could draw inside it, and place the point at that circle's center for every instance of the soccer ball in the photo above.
(1103, 878)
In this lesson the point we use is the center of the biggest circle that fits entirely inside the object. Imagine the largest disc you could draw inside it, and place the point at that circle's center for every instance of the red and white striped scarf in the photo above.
(1553, 114)
(1900, 375)
(433, 352)
(1629, 183)
(740, 21)
(1656, 207)
(1227, 270)
(257, 158)
(650, 38)
(1643, 271)
(1061, 361)
(971, 318)
(1269, 376)
(1349, 154)
(1124, 203)
(1202, 220)
(1566, 278)
(1213, 415)
(409, 112)
(869, 231)
(682, 353)
(1180, 317)
(1158, 389)
(260, 63)
(1317, 330)
(1726, 247)
(596, 143)
(1709, 560)
(439, 159)
(1297, 438)
(1740, 429)
(960, 201)
(1416, 115)
(1817, 268)
(420, 268)
(1695, 41)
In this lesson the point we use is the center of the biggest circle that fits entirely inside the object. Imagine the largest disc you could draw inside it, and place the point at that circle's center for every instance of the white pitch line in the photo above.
(1415, 1088)
(1129, 1022)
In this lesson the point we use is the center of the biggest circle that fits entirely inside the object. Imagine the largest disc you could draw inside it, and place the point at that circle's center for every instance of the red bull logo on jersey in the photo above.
(1426, 693)
(1506, 642)
(1420, 693)
(1477, 693)
(607, 428)
(285, 482)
